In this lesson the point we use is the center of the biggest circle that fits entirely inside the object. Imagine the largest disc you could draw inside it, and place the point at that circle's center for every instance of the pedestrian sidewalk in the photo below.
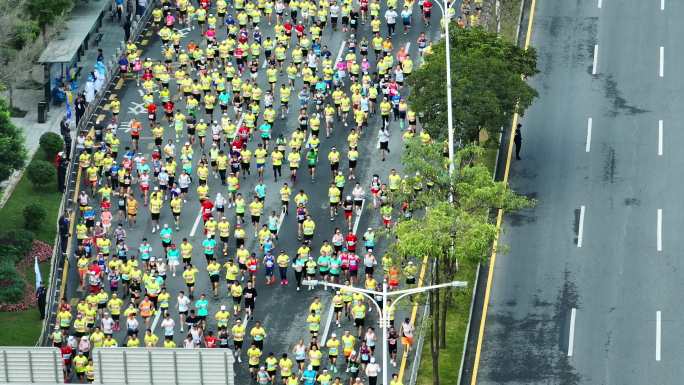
(27, 99)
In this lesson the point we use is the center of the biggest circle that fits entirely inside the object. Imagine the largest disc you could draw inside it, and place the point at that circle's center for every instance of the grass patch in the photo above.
(23, 328)
(25, 194)
(457, 322)
(20, 328)
(509, 15)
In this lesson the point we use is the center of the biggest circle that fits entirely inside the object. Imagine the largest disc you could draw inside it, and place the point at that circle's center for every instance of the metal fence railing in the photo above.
(60, 262)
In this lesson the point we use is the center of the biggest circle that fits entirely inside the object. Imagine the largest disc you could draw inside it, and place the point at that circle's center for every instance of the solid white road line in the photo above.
(589, 124)
(358, 217)
(329, 321)
(594, 68)
(571, 338)
(658, 334)
(339, 53)
(600, 3)
(662, 61)
(280, 221)
(660, 137)
(662, 5)
(196, 224)
(156, 320)
(580, 231)
(659, 230)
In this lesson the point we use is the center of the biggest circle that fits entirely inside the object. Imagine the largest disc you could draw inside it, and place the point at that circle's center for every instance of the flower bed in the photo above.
(41, 250)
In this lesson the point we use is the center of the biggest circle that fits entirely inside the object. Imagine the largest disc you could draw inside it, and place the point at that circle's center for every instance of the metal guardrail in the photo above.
(164, 366)
(59, 267)
(421, 334)
(29, 365)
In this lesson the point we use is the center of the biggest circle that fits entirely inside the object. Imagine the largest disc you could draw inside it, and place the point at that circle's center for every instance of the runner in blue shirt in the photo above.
(260, 191)
(209, 244)
(309, 376)
(202, 306)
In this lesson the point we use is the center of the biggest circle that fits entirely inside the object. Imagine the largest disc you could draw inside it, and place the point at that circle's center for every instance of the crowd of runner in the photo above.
(210, 120)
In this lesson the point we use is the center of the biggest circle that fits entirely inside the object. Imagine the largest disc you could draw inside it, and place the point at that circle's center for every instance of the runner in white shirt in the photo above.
(391, 19)
(107, 324)
(183, 305)
(168, 324)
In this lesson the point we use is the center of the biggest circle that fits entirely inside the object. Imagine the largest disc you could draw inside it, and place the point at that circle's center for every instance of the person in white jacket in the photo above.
(372, 372)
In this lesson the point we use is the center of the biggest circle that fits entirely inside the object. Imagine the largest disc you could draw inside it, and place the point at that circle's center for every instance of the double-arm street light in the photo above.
(385, 311)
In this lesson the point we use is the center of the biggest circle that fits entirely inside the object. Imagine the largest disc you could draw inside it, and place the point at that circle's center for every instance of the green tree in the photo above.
(449, 231)
(19, 45)
(34, 215)
(12, 288)
(42, 173)
(487, 87)
(12, 150)
(45, 12)
(51, 143)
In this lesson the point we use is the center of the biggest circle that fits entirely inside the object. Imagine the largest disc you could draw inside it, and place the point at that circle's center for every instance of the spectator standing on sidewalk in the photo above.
(127, 28)
(80, 107)
(141, 5)
(517, 139)
(41, 294)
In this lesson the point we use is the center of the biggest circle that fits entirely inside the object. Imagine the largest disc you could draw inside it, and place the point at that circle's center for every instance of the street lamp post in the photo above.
(385, 311)
(450, 117)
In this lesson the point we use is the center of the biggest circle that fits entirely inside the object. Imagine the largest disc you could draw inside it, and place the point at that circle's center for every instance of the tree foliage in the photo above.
(45, 12)
(34, 215)
(51, 143)
(452, 225)
(15, 244)
(42, 173)
(12, 150)
(486, 84)
(20, 44)
(12, 285)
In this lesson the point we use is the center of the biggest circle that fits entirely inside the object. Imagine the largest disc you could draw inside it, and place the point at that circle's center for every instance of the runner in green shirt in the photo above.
(311, 160)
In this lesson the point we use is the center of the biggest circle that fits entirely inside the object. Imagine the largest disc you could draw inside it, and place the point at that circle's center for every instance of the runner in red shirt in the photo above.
(210, 340)
(168, 110)
(427, 11)
(67, 355)
(299, 28)
(351, 242)
(207, 207)
(152, 112)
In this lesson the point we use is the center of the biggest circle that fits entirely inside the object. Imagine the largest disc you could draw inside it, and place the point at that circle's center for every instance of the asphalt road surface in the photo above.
(282, 310)
(589, 291)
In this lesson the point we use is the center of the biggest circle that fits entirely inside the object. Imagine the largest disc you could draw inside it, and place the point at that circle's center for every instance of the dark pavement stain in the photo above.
(609, 340)
(618, 104)
(518, 219)
(632, 202)
(511, 302)
(528, 350)
(569, 37)
(541, 303)
(609, 164)
(527, 173)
